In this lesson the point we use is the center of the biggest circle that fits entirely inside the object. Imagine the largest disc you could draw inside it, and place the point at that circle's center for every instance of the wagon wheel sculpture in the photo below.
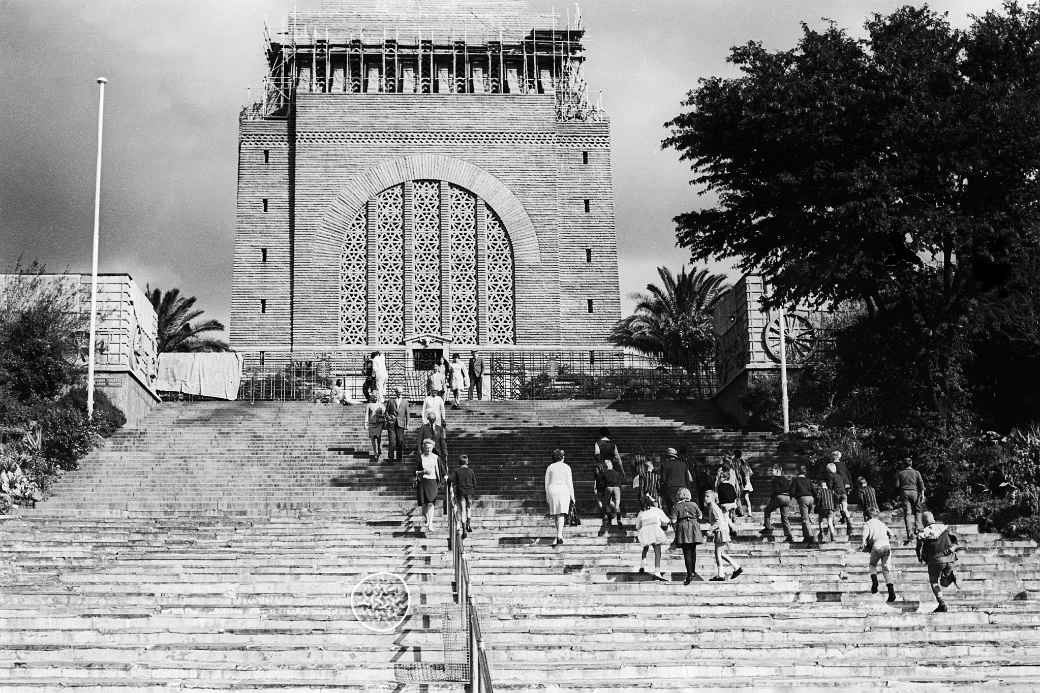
(799, 338)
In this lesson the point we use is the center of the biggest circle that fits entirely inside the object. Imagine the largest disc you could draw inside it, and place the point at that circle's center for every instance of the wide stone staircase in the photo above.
(218, 546)
(214, 549)
(580, 617)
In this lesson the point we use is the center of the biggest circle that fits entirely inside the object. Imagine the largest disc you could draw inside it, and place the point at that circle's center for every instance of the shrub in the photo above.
(108, 418)
(66, 436)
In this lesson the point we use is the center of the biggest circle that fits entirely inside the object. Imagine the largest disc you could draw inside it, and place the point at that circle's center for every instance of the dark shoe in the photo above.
(789, 539)
(891, 593)
(602, 529)
(941, 609)
(559, 541)
(736, 573)
(718, 578)
(619, 523)
(873, 584)
(689, 579)
(468, 527)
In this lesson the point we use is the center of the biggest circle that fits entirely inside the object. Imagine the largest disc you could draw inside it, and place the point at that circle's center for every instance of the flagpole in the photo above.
(94, 257)
(784, 406)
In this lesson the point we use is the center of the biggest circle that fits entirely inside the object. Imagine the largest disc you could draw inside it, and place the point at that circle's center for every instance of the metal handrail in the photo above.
(480, 673)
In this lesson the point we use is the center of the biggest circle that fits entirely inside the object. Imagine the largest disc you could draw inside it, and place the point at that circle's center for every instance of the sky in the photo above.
(178, 75)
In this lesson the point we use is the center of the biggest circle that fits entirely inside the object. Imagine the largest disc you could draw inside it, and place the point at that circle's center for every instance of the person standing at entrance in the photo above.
(559, 492)
(457, 379)
(374, 422)
(380, 373)
(396, 417)
(476, 375)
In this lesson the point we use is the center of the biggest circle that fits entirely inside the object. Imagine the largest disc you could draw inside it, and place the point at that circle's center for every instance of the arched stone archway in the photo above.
(352, 196)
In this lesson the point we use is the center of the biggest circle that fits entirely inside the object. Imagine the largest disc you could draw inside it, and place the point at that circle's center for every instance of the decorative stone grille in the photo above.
(429, 256)
(390, 265)
(353, 283)
(500, 309)
(463, 234)
(427, 301)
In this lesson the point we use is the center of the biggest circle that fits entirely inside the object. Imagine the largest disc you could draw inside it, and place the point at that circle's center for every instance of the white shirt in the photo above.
(435, 404)
(875, 534)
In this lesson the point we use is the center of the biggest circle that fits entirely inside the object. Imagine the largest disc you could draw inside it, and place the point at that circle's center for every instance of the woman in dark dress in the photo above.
(686, 518)
(429, 475)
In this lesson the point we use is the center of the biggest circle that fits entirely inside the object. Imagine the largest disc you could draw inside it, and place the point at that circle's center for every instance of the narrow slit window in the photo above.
(585, 158)
(588, 255)
(265, 205)
(590, 305)
(263, 255)
(267, 156)
(587, 206)
(263, 305)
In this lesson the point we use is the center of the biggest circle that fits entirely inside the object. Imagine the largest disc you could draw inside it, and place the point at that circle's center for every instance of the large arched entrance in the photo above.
(443, 266)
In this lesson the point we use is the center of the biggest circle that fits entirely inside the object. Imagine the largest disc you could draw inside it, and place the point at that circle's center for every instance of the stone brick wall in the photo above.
(508, 149)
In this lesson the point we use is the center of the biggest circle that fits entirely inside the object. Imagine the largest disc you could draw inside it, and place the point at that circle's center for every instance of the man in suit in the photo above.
(476, 375)
(396, 418)
(435, 432)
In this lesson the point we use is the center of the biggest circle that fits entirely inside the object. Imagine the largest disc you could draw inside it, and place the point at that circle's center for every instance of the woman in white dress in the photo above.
(559, 492)
(458, 379)
(381, 374)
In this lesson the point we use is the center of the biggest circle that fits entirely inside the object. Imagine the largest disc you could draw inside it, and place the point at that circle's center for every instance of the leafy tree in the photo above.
(674, 320)
(176, 331)
(40, 333)
(901, 172)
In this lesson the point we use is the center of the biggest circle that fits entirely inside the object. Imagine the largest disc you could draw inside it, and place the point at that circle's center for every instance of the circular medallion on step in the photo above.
(381, 602)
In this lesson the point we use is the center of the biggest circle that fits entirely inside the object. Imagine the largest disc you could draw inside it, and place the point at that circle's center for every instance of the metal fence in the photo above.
(509, 375)
(465, 659)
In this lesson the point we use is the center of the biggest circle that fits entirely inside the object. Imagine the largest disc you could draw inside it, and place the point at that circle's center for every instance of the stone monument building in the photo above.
(424, 172)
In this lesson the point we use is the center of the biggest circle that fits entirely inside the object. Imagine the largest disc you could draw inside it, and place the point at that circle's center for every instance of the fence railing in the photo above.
(479, 671)
(509, 375)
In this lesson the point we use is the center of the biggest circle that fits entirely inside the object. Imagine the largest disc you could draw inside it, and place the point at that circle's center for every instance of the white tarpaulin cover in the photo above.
(207, 374)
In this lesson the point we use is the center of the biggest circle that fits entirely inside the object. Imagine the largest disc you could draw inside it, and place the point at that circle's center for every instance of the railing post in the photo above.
(474, 654)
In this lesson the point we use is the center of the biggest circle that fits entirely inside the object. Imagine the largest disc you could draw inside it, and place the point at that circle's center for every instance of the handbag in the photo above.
(572, 517)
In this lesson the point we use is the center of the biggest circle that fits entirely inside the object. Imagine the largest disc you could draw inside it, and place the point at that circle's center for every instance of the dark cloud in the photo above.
(178, 74)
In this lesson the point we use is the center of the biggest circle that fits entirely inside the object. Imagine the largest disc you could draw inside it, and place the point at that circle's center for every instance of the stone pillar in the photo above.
(373, 275)
(482, 273)
(407, 253)
(446, 261)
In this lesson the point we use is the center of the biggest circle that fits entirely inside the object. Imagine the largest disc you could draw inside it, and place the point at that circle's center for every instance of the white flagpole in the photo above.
(783, 370)
(94, 259)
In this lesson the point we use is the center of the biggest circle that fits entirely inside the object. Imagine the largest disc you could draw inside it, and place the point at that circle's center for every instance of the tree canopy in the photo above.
(176, 331)
(900, 171)
(673, 320)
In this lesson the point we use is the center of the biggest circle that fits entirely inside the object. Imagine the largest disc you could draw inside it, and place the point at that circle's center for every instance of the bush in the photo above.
(108, 418)
(66, 436)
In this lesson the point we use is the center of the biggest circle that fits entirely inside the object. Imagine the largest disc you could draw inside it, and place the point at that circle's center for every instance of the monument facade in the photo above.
(424, 172)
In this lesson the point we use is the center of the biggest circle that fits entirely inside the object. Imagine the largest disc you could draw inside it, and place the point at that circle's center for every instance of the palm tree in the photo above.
(176, 331)
(673, 321)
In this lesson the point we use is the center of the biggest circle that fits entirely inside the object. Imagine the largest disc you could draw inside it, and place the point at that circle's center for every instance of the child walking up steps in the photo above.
(650, 525)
